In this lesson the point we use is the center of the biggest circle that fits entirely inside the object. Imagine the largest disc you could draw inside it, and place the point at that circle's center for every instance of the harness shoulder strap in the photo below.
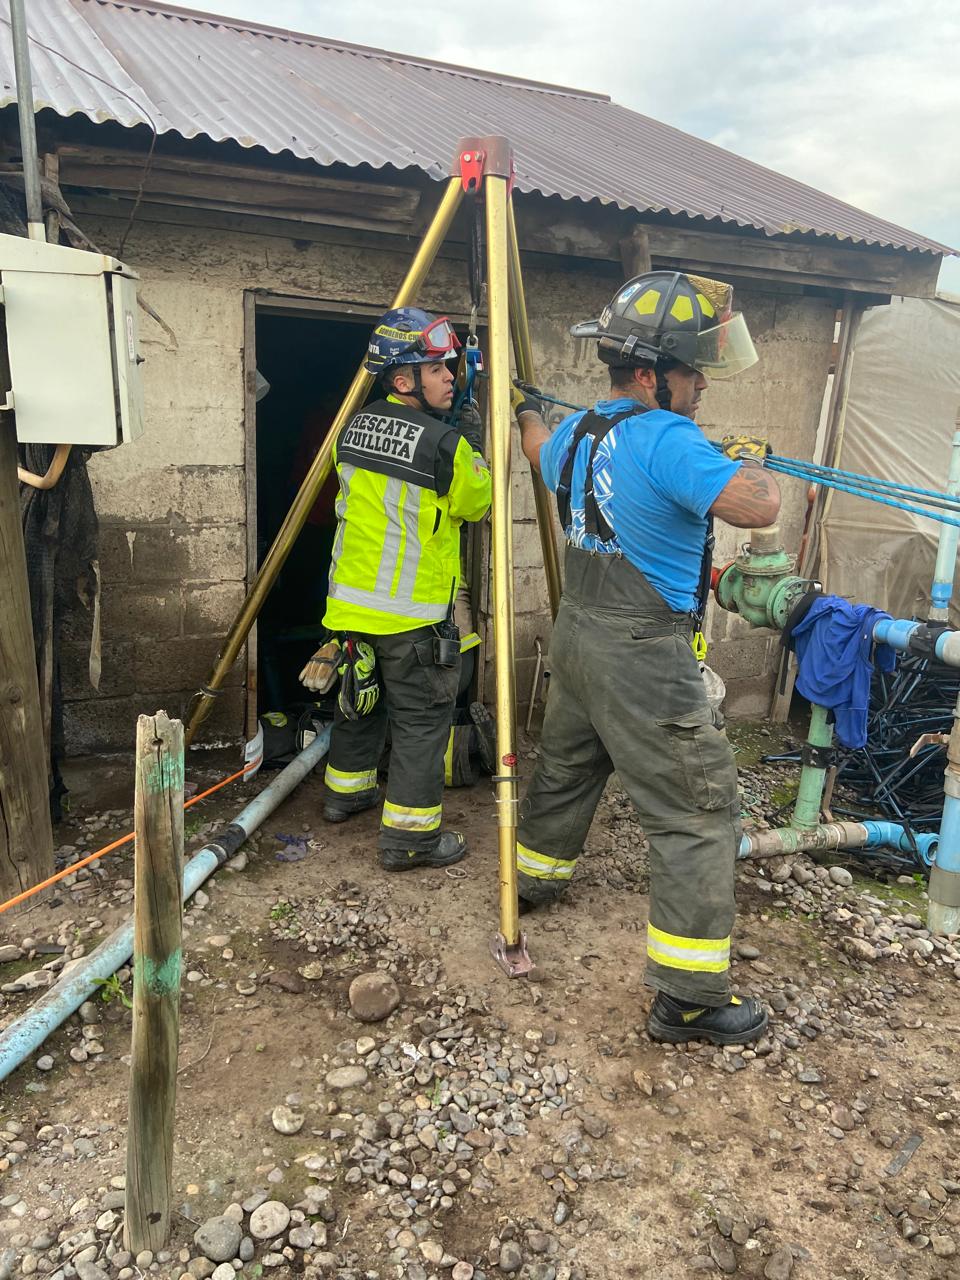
(598, 427)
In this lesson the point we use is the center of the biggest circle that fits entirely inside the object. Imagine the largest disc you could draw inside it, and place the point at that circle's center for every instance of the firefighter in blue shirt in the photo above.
(637, 487)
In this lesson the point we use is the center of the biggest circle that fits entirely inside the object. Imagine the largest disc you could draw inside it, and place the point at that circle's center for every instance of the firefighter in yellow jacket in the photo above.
(408, 481)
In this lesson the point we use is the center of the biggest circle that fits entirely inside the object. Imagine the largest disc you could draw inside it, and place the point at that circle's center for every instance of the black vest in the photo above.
(399, 441)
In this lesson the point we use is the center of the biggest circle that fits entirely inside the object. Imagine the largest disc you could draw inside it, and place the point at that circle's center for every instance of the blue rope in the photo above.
(870, 487)
(776, 464)
(835, 473)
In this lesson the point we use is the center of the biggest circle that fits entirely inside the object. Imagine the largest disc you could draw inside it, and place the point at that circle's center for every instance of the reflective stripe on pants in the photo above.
(404, 817)
(345, 783)
(543, 867)
(417, 702)
(626, 694)
(692, 955)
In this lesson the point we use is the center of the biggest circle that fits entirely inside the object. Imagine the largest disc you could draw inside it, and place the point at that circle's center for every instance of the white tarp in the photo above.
(902, 410)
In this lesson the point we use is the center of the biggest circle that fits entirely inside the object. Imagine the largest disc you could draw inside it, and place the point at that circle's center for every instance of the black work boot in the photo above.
(738, 1022)
(450, 848)
(334, 812)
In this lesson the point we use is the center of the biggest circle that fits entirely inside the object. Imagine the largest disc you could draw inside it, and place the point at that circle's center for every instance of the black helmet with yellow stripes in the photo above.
(670, 316)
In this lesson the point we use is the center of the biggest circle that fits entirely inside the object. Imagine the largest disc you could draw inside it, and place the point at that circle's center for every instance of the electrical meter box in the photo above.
(72, 344)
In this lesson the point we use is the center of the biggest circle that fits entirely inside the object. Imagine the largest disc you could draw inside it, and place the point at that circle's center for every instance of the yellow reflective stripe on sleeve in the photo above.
(694, 955)
(469, 641)
(543, 867)
(345, 783)
(409, 818)
(448, 761)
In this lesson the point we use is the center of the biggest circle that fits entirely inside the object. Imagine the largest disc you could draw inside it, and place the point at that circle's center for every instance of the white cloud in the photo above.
(858, 100)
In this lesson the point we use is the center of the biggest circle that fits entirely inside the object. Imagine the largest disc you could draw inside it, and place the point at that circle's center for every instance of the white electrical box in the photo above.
(72, 344)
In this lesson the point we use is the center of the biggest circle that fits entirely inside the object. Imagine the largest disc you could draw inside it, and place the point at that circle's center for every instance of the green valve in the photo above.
(761, 585)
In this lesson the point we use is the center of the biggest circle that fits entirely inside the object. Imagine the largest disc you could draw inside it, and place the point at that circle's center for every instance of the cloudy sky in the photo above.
(859, 98)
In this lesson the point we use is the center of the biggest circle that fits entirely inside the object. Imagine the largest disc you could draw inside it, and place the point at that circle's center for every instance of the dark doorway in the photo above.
(309, 362)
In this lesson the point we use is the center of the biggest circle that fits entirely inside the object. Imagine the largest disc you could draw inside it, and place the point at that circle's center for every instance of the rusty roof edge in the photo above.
(440, 174)
(347, 46)
(931, 246)
(766, 208)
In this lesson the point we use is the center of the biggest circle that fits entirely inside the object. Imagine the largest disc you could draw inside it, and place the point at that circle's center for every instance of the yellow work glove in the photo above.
(745, 447)
(318, 675)
(525, 399)
(359, 686)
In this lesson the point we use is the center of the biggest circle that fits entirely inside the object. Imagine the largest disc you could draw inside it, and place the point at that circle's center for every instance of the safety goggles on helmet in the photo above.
(726, 349)
(438, 340)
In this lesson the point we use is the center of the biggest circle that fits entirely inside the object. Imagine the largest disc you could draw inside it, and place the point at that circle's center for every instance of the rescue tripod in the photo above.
(482, 169)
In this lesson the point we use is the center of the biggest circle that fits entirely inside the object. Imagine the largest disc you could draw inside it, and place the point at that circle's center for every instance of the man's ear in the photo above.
(645, 377)
(403, 382)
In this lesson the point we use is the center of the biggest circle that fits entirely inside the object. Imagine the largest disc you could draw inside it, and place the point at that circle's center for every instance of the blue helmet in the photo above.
(408, 335)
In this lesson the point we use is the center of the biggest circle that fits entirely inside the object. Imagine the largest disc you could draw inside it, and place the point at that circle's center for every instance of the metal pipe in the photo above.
(943, 913)
(806, 810)
(30, 1030)
(28, 121)
(836, 835)
(523, 355)
(319, 470)
(495, 190)
(535, 685)
(942, 589)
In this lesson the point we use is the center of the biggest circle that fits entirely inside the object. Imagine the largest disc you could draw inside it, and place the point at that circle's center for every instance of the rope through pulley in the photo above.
(471, 358)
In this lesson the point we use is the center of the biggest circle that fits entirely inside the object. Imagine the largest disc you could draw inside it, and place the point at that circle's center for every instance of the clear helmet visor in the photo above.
(725, 349)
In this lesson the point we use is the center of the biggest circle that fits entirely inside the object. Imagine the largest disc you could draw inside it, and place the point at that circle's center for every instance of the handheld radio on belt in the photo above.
(446, 643)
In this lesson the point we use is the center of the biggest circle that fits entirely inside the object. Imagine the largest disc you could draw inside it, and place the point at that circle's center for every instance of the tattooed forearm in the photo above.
(534, 434)
(750, 500)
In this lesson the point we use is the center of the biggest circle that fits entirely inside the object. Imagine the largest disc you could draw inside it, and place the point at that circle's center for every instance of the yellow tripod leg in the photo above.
(509, 945)
(295, 518)
(523, 356)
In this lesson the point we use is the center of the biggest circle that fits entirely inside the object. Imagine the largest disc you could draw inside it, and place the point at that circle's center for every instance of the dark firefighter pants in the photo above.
(626, 694)
(416, 698)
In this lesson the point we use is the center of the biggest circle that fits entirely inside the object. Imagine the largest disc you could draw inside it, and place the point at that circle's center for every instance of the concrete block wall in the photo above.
(172, 505)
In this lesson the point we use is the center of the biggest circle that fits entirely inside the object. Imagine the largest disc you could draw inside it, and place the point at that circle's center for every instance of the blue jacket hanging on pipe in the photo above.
(835, 658)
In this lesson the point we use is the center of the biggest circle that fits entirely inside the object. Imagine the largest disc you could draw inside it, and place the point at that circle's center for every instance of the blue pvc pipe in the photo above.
(878, 834)
(29, 1031)
(942, 591)
(895, 632)
(898, 632)
(948, 849)
(893, 835)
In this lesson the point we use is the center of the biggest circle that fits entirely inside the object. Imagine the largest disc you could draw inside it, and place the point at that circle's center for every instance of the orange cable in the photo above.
(69, 871)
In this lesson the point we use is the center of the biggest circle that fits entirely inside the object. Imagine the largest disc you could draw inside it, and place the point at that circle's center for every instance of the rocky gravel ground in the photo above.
(362, 1096)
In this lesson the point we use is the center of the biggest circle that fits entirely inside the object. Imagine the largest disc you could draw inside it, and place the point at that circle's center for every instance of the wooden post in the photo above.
(635, 252)
(158, 911)
(26, 837)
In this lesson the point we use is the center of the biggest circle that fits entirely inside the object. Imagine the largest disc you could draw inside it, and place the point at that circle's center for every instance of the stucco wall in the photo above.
(172, 505)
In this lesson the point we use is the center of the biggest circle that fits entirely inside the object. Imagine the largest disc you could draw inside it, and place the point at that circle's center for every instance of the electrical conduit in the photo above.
(30, 1030)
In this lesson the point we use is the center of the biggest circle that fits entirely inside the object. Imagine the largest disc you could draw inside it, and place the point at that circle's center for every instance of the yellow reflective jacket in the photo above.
(407, 483)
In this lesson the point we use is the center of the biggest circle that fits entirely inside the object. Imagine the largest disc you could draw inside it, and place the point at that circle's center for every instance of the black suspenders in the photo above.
(598, 428)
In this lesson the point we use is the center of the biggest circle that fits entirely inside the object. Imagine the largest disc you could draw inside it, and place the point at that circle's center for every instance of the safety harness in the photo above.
(598, 427)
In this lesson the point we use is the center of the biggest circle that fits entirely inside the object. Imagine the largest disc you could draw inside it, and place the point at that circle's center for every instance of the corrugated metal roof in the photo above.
(196, 74)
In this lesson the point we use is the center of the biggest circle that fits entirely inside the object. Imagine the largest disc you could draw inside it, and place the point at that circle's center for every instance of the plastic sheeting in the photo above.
(902, 411)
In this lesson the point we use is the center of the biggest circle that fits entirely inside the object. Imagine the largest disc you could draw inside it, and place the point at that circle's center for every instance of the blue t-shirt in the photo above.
(655, 478)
